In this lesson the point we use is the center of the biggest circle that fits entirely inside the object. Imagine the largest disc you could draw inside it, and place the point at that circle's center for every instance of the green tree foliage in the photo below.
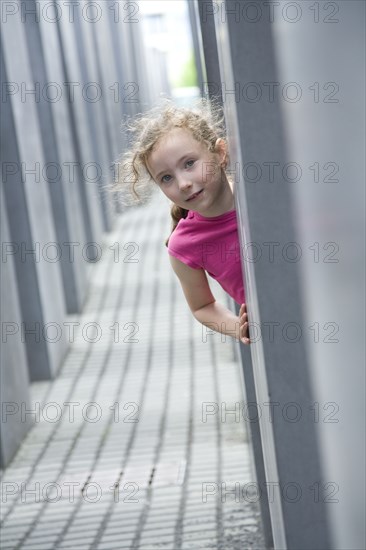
(188, 76)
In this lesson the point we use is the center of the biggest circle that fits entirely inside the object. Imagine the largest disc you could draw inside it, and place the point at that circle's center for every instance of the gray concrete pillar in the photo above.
(85, 171)
(142, 92)
(29, 209)
(90, 21)
(211, 86)
(14, 386)
(323, 55)
(212, 89)
(94, 23)
(45, 63)
(266, 215)
(153, 26)
(194, 18)
(123, 25)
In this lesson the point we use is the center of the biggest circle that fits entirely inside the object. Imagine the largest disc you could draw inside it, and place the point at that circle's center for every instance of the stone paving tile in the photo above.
(148, 381)
(207, 545)
(117, 545)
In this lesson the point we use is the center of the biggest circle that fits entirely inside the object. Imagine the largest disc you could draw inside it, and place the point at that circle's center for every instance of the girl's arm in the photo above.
(204, 307)
(219, 318)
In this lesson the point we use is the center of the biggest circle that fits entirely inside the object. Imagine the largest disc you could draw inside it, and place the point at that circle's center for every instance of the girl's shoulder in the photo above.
(183, 228)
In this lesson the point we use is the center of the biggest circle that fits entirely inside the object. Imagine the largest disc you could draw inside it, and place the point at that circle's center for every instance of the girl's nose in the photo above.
(184, 183)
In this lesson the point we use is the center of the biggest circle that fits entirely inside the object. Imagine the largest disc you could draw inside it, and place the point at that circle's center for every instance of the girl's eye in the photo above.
(165, 180)
(190, 162)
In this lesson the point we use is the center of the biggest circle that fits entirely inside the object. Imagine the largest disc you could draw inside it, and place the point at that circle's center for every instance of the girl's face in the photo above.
(188, 173)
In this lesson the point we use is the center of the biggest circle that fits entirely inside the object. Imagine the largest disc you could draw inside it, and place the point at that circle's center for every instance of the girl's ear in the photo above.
(221, 150)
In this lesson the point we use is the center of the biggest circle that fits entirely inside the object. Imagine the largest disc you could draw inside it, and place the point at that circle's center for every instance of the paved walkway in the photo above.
(122, 454)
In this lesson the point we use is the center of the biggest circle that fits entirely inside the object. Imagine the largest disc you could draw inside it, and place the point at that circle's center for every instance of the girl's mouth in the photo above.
(195, 195)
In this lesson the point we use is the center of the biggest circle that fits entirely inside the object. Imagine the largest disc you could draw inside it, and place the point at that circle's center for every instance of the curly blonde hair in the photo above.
(133, 182)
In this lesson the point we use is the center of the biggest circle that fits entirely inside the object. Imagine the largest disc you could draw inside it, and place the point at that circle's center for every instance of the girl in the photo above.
(183, 151)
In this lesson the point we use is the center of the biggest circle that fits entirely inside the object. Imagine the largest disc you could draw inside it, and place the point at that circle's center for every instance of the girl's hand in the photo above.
(244, 325)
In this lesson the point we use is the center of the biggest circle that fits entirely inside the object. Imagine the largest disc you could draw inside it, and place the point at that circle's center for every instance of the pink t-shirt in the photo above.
(211, 244)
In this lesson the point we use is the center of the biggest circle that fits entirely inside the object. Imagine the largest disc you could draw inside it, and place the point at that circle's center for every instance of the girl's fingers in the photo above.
(244, 325)
(244, 333)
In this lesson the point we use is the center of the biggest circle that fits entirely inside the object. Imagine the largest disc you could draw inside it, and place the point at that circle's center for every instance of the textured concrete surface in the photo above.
(121, 453)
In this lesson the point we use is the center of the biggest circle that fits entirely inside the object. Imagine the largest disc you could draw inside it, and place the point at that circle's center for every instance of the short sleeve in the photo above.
(183, 259)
